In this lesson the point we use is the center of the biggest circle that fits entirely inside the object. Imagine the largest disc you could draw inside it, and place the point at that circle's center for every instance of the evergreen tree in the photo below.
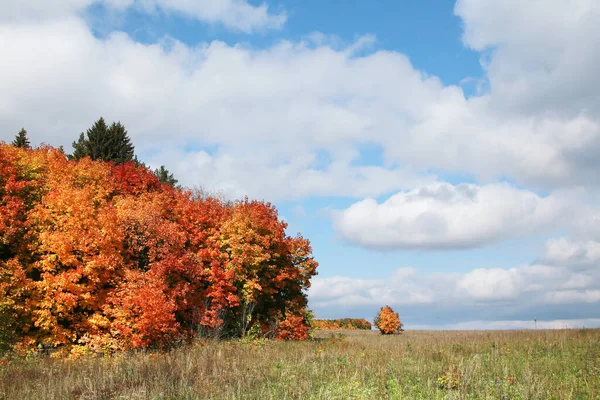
(21, 139)
(164, 176)
(120, 149)
(139, 163)
(102, 142)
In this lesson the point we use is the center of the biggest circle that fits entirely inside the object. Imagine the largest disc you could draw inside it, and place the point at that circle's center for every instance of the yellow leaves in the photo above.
(250, 290)
(98, 320)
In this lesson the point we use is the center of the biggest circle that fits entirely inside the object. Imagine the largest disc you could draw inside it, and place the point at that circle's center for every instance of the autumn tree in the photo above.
(271, 270)
(388, 321)
(103, 257)
(106, 143)
(21, 140)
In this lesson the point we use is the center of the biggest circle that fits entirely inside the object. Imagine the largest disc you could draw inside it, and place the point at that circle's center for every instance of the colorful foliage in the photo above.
(343, 323)
(105, 257)
(388, 321)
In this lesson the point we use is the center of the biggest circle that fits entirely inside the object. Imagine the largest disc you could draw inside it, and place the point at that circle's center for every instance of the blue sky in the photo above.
(441, 156)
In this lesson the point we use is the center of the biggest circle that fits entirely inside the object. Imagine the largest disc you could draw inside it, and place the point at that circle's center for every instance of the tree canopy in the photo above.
(98, 256)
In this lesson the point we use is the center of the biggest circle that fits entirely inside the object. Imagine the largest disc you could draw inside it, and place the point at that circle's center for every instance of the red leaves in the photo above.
(293, 327)
(143, 313)
(104, 256)
(134, 180)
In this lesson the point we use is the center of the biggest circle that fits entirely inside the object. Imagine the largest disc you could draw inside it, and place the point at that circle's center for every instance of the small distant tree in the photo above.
(21, 140)
(388, 321)
(164, 176)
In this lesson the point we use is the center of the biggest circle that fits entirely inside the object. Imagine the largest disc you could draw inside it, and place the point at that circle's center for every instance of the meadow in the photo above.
(535, 364)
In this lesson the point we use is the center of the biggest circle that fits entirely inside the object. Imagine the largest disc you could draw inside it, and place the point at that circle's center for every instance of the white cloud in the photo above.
(566, 251)
(273, 110)
(513, 324)
(553, 284)
(544, 52)
(493, 294)
(400, 289)
(490, 284)
(442, 215)
(260, 174)
(573, 296)
(233, 14)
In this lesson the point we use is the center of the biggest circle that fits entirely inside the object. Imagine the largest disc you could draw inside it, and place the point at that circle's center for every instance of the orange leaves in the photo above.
(104, 256)
(387, 321)
(143, 314)
(293, 327)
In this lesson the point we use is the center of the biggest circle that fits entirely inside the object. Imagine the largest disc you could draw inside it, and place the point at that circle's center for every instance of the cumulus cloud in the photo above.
(279, 107)
(566, 251)
(401, 288)
(258, 175)
(545, 61)
(233, 14)
(442, 215)
(514, 324)
(485, 294)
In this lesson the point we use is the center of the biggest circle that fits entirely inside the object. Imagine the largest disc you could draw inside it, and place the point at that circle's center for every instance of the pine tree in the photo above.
(119, 149)
(102, 142)
(21, 140)
(164, 176)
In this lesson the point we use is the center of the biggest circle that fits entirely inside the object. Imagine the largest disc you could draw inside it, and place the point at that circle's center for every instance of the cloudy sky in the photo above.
(443, 158)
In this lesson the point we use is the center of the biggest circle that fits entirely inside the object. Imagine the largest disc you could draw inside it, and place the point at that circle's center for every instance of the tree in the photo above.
(388, 321)
(164, 176)
(106, 143)
(101, 257)
(21, 140)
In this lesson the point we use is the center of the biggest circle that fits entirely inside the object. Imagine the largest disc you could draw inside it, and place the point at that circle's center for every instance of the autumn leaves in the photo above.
(104, 257)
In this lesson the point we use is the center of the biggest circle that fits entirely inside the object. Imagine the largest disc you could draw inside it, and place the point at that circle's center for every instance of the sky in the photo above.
(442, 157)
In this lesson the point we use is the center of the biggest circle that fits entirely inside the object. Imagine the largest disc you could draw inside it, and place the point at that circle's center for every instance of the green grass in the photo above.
(558, 364)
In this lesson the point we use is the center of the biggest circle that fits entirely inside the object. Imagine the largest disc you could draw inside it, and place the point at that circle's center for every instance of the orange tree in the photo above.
(388, 321)
(105, 257)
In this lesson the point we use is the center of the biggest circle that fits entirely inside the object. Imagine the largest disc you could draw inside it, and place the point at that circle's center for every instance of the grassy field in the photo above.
(557, 364)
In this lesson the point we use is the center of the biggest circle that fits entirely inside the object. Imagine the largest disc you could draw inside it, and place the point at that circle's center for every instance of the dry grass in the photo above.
(561, 364)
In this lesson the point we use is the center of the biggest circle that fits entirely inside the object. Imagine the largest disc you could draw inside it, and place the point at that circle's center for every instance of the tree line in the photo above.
(99, 254)
(342, 324)
(109, 143)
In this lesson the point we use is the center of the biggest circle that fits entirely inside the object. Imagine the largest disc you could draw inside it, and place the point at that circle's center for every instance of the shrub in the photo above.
(343, 323)
(388, 321)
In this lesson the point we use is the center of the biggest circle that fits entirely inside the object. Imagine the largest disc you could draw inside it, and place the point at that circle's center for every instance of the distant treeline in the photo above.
(342, 323)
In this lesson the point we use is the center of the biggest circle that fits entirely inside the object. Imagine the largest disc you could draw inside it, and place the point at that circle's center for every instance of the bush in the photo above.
(388, 321)
(343, 323)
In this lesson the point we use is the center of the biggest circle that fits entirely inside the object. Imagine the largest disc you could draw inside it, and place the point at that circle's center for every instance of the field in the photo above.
(543, 364)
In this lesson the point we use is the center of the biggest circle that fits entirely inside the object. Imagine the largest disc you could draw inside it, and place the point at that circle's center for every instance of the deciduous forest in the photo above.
(97, 254)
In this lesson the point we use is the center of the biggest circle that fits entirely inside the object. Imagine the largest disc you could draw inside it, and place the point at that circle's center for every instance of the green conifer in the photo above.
(21, 140)
(164, 176)
(102, 142)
